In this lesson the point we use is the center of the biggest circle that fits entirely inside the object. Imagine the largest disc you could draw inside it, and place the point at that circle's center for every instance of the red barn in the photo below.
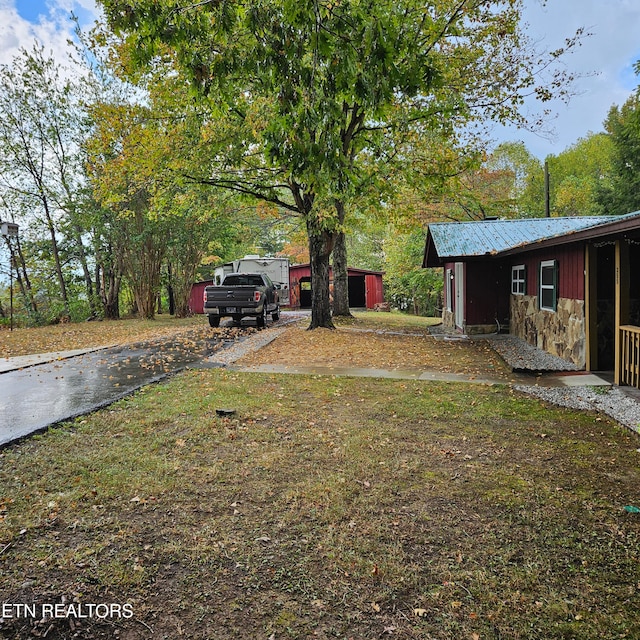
(365, 287)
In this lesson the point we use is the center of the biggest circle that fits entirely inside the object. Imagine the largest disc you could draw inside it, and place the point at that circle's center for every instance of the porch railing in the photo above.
(630, 355)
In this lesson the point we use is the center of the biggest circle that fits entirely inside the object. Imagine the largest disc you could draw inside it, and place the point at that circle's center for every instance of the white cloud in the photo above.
(52, 29)
(604, 60)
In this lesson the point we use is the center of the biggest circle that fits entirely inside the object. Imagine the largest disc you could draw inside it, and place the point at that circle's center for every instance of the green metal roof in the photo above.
(492, 237)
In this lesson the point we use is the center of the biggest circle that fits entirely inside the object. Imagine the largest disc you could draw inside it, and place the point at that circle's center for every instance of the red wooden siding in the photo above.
(487, 295)
(570, 270)
(374, 289)
(196, 298)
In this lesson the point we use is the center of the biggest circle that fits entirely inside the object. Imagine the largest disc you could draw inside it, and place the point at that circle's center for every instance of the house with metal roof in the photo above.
(570, 286)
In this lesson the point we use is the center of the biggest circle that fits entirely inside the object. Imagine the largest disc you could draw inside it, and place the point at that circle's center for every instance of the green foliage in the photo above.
(408, 286)
(577, 174)
(524, 177)
(41, 161)
(307, 102)
(621, 194)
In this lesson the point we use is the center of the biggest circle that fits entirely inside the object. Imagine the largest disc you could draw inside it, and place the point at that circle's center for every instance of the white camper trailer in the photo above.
(276, 268)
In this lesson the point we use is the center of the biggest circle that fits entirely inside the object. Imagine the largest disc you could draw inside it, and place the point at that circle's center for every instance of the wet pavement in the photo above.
(68, 385)
(37, 391)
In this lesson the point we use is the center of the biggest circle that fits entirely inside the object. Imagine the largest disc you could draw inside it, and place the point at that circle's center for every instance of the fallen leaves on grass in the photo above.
(276, 533)
(63, 337)
(381, 350)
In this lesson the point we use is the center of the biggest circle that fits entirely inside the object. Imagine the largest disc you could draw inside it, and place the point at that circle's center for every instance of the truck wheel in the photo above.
(275, 316)
(261, 320)
(214, 321)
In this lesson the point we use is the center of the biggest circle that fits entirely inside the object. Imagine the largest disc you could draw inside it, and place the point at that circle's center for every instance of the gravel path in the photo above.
(521, 356)
(616, 402)
(240, 348)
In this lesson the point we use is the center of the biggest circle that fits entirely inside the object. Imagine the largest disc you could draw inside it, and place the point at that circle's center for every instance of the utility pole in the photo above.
(10, 230)
(547, 207)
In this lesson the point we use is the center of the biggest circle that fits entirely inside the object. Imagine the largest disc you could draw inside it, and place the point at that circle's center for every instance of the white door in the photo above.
(459, 284)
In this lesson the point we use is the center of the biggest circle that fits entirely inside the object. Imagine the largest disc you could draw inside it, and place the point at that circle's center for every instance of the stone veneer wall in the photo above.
(561, 333)
(448, 319)
(449, 322)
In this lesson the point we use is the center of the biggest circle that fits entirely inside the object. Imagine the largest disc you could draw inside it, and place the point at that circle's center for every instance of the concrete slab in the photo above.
(582, 380)
(359, 372)
(354, 372)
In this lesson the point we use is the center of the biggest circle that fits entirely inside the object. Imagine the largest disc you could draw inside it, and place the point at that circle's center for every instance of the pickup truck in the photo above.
(241, 295)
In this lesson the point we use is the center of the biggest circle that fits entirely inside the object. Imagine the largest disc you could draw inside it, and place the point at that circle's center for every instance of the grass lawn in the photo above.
(62, 337)
(324, 508)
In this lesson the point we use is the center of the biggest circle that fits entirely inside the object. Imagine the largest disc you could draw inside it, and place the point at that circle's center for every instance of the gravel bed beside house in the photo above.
(521, 356)
(615, 402)
(612, 401)
(620, 403)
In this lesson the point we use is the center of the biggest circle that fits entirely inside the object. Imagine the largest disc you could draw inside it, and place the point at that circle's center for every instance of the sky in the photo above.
(604, 60)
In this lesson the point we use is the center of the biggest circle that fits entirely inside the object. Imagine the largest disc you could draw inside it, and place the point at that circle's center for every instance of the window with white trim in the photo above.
(518, 280)
(548, 288)
(449, 289)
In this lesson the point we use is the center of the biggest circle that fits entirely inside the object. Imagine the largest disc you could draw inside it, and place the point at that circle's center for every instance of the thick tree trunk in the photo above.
(170, 294)
(340, 278)
(320, 245)
(110, 294)
(56, 259)
(111, 305)
(142, 261)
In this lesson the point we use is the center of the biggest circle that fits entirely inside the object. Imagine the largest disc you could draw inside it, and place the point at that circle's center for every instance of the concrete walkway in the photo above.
(546, 380)
(227, 357)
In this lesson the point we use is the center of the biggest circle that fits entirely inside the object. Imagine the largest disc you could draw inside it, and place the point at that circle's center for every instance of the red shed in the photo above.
(196, 299)
(365, 287)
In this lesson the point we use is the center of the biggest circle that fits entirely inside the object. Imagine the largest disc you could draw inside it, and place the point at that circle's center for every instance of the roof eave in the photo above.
(610, 229)
(431, 257)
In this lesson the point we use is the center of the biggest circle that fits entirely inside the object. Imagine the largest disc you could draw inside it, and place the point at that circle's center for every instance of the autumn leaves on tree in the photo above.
(309, 106)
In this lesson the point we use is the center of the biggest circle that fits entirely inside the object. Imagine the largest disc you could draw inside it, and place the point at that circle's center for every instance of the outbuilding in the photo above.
(365, 287)
(196, 298)
(570, 286)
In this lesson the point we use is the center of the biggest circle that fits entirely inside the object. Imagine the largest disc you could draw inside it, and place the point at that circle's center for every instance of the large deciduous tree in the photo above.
(41, 133)
(524, 179)
(578, 173)
(303, 95)
(621, 194)
(124, 180)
